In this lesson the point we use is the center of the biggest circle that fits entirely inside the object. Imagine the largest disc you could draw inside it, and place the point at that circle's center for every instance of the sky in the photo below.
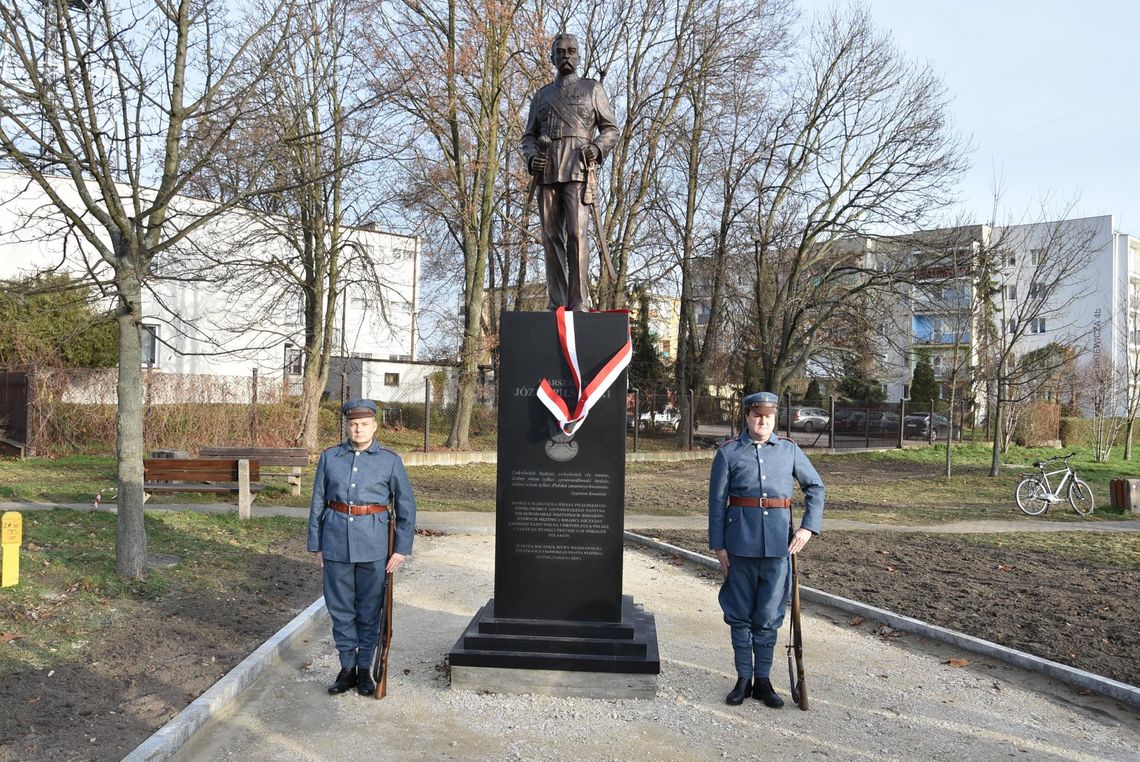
(1047, 92)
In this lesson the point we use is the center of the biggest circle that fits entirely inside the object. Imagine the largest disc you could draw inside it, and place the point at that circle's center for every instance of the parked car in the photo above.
(875, 422)
(918, 426)
(668, 418)
(805, 418)
(884, 423)
(848, 419)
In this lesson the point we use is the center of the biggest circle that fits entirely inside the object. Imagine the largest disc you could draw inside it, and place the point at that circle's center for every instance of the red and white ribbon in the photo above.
(594, 390)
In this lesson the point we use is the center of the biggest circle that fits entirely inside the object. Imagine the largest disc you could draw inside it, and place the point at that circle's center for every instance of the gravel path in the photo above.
(872, 698)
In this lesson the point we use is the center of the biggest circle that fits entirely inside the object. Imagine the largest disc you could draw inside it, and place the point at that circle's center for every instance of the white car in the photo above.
(668, 418)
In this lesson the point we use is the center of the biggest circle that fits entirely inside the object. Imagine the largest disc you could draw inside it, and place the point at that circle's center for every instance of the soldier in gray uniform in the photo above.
(356, 481)
(559, 144)
(750, 490)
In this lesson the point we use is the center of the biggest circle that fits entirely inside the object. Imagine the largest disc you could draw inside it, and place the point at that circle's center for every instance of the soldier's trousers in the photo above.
(565, 231)
(354, 594)
(753, 599)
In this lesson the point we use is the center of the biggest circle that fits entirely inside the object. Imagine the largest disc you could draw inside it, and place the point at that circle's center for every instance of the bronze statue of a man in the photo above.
(562, 152)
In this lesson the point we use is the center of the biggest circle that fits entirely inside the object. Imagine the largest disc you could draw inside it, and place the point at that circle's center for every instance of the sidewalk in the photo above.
(871, 700)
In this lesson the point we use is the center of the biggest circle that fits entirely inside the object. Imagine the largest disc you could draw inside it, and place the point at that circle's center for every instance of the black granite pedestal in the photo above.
(558, 622)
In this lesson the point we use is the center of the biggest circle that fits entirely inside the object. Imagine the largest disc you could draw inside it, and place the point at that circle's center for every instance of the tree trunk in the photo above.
(130, 530)
(950, 423)
(1128, 438)
(995, 462)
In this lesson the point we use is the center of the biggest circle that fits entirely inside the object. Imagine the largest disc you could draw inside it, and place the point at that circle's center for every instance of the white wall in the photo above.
(219, 328)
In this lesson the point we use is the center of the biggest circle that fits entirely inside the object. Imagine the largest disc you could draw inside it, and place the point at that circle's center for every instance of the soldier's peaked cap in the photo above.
(358, 409)
(765, 402)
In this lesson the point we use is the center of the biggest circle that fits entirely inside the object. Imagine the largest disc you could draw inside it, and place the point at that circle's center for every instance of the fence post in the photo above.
(245, 499)
(253, 411)
(427, 412)
(787, 413)
(867, 427)
(831, 423)
(902, 420)
(930, 428)
(31, 413)
(636, 415)
(692, 417)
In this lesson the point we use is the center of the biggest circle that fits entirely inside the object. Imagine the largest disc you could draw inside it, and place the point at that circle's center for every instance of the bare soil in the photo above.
(1080, 614)
(143, 671)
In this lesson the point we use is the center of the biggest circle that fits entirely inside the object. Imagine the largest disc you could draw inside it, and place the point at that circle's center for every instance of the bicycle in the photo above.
(1035, 494)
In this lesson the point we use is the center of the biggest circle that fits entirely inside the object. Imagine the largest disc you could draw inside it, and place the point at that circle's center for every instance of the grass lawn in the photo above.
(891, 486)
(68, 589)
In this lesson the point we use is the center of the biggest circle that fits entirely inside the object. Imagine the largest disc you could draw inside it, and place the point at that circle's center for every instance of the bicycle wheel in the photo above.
(1031, 496)
(1081, 497)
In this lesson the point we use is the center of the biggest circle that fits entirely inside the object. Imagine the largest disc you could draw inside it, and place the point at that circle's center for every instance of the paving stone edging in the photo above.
(168, 739)
(1123, 692)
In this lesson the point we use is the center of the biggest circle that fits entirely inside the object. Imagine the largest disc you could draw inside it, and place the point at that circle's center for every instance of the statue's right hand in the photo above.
(537, 164)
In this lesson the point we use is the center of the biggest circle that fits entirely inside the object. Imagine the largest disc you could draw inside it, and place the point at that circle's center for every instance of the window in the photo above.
(1036, 255)
(1035, 289)
(1011, 292)
(1009, 326)
(391, 379)
(294, 360)
(1037, 325)
(148, 334)
(1012, 260)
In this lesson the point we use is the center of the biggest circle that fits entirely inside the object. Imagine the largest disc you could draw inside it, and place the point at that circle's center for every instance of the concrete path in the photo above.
(872, 699)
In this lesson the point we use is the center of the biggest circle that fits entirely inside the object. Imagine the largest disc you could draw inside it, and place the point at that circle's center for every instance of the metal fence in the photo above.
(75, 414)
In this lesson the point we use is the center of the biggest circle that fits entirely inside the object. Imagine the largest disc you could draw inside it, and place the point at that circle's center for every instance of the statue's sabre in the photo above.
(590, 198)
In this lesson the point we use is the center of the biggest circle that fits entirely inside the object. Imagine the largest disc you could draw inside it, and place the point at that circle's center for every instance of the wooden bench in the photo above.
(239, 475)
(292, 458)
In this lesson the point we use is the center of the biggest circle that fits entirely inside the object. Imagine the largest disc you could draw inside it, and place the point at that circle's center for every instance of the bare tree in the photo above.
(942, 292)
(448, 69)
(734, 49)
(106, 96)
(321, 137)
(861, 147)
(1106, 402)
(1030, 277)
(1130, 350)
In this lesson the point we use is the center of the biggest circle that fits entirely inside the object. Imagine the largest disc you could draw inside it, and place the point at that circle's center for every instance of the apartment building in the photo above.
(1074, 282)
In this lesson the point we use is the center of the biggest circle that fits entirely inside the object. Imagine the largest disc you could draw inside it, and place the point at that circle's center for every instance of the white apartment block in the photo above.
(1093, 308)
(216, 328)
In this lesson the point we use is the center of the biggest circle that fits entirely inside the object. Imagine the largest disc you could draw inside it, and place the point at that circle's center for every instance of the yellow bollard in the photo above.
(11, 534)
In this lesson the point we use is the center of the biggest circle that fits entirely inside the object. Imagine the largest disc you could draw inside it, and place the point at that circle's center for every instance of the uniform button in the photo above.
(352, 485)
(354, 468)
(765, 513)
(350, 518)
(765, 495)
(761, 460)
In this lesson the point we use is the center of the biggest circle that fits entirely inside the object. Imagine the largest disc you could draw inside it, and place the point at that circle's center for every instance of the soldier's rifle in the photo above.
(380, 661)
(796, 644)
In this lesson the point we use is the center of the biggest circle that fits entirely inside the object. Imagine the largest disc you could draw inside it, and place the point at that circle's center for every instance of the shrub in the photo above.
(1040, 425)
(1076, 432)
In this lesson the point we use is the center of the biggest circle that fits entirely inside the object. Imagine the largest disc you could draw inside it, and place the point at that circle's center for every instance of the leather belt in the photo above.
(355, 510)
(761, 502)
